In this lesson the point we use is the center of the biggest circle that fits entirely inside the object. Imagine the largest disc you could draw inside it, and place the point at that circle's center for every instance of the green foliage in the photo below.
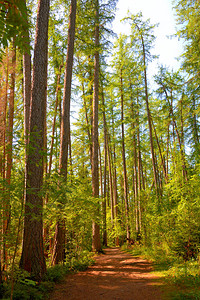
(25, 288)
(182, 278)
(13, 23)
(56, 273)
(73, 201)
(186, 278)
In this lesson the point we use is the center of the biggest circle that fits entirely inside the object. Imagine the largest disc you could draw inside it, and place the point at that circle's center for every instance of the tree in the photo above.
(13, 22)
(96, 243)
(144, 33)
(59, 242)
(32, 258)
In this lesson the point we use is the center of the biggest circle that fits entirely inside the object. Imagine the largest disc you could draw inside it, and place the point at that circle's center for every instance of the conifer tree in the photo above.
(32, 258)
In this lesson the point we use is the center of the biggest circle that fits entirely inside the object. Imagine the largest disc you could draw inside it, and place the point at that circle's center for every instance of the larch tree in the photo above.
(59, 240)
(32, 258)
(143, 31)
(96, 243)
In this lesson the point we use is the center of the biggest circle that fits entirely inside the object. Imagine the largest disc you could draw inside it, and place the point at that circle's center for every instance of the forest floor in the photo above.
(116, 275)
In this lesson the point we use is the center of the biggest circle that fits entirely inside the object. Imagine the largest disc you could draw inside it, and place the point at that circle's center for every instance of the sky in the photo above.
(158, 11)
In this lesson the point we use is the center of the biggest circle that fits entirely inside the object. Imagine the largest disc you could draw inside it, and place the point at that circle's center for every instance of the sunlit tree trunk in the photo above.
(160, 152)
(124, 160)
(59, 239)
(96, 243)
(32, 258)
(3, 111)
(115, 196)
(105, 172)
(54, 120)
(9, 146)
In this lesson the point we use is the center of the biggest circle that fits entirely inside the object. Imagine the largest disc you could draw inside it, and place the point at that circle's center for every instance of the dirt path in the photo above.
(115, 276)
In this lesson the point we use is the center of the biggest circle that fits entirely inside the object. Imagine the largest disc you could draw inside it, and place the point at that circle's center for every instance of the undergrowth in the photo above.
(181, 277)
(27, 289)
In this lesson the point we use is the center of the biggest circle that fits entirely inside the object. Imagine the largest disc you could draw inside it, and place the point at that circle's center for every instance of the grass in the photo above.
(181, 279)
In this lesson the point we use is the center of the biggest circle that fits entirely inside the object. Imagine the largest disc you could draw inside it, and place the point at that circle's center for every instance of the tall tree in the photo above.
(96, 243)
(143, 31)
(59, 240)
(9, 147)
(124, 158)
(32, 258)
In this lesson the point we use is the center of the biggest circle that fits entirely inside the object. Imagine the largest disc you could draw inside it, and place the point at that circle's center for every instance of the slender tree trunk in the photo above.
(160, 152)
(87, 122)
(96, 243)
(110, 181)
(26, 86)
(115, 196)
(32, 258)
(100, 173)
(124, 162)
(3, 111)
(149, 122)
(181, 146)
(54, 120)
(59, 239)
(194, 123)
(7, 205)
(148, 113)
(105, 173)
(48, 244)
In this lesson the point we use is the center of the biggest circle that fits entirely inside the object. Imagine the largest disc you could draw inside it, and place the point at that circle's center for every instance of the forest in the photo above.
(93, 151)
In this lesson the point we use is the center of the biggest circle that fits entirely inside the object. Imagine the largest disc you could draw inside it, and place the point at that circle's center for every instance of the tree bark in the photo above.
(7, 206)
(32, 258)
(54, 120)
(105, 173)
(149, 121)
(59, 244)
(96, 243)
(3, 111)
(124, 160)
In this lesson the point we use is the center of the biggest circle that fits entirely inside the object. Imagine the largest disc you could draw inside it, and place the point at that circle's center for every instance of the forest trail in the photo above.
(116, 275)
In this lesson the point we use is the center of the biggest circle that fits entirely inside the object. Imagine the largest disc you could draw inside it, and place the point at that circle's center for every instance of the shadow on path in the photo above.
(116, 275)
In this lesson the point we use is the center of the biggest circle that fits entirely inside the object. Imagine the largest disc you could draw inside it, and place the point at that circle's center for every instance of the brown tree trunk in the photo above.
(110, 181)
(3, 111)
(124, 161)
(105, 173)
(181, 146)
(160, 152)
(54, 120)
(26, 87)
(59, 241)
(149, 115)
(96, 243)
(32, 258)
(87, 122)
(149, 123)
(115, 196)
(6, 204)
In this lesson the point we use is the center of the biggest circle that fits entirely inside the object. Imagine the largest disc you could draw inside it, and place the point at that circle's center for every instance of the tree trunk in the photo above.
(54, 119)
(3, 111)
(160, 152)
(149, 121)
(7, 206)
(110, 181)
(105, 173)
(32, 258)
(115, 196)
(96, 243)
(59, 245)
(26, 87)
(87, 122)
(124, 162)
